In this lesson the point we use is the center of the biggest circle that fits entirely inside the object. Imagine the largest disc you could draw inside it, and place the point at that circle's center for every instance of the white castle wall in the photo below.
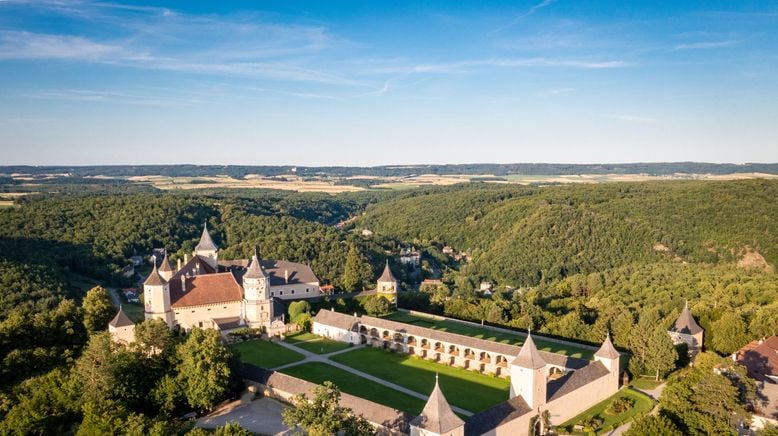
(192, 316)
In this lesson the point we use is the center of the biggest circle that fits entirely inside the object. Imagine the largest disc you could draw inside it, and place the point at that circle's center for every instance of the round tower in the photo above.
(256, 294)
(156, 297)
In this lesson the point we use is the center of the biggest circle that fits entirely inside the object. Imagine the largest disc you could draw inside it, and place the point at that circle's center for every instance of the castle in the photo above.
(541, 381)
(207, 292)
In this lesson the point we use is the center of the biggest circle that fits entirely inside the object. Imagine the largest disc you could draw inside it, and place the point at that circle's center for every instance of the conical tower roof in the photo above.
(686, 323)
(607, 350)
(206, 243)
(529, 357)
(154, 279)
(437, 416)
(255, 270)
(165, 265)
(387, 275)
(121, 319)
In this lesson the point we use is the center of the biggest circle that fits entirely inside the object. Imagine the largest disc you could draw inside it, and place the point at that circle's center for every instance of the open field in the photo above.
(483, 333)
(642, 404)
(6, 203)
(265, 353)
(466, 389)
(315, 344)
(291, 183)
(318, 372)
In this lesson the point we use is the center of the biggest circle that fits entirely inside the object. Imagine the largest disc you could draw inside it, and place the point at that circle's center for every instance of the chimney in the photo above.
(286, 276)
(183, 283)
(179, 264)
(332, 309)
(186, 258)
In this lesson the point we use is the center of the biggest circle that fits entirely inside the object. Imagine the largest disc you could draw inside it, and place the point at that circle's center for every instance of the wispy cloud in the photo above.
(27, 45)
(556, 91)
(524, 15)
(102, 96)
(707, 45)
(467, 66)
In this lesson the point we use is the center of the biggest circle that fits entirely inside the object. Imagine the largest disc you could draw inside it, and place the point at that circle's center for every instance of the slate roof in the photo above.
(437, 416)
(470, 342)
(121, 320)
(491, 418)
(299, 274)
(387, 275)
(336, 319)
(373, 412)
(686, 323)
(529, 357)
(607, 350)
(570, 382)
(165, 265)
(228, 323)
(154, 279)
(255, 271)
(204, 289)
(206, 243)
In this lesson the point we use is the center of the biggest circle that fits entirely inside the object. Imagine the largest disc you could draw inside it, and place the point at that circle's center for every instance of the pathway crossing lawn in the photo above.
(466, 389)
(318, 372)
(315, 343)
(265, 353)
(643, 404)
(483, 333)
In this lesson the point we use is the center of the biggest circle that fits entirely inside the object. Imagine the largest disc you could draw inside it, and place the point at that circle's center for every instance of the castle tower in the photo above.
(687, 330)
(437, 418)
(610, 357)
(528, 375)
(207, 250)
(121, 328)
(157, 297)
(387, 285)
(165, 270)
(256, 294)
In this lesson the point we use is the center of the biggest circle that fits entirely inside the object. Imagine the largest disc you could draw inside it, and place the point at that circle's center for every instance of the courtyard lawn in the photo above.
(483, 333)
(318, 372)
(265, 353)
(467, 389)
(315, 343)
(643, 404)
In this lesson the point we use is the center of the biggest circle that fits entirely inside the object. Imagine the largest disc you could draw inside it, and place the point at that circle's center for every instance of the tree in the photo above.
(639, 340)
(661, 354)
(764, 322)
(704, 401)
(654, 425)
(96, 369)
(353, 275)
(153, 337)
(98, 309)
(231, 429)
(376, 305)
(204, 372)
(730, 333)
(298, 307)
(322, 415)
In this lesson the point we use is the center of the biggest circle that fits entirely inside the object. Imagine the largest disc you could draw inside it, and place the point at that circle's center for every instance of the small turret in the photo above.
(528, 374)
(437, 418)
(207, 250)
(387, 285)
(157, 296)
(610, 357)
(165, 270)
(121, 328)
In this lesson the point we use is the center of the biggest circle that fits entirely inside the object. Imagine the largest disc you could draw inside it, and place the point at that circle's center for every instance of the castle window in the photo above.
(292, 291)
(306, 290)
(193, 311)
(224, 307)
(176, 313)
(209, 309)
(280, 292)
(200, 323)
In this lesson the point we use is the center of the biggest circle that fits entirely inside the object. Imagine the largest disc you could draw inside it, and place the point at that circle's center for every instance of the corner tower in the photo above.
(437, 418)
(207, 250)
(528, 375)
(387, 285)
(256, 294)
(156, 297)
(610, 357)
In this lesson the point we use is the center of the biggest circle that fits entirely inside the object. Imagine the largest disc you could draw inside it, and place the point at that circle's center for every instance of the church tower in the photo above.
(528, 375)
(610, 357)
(156, 297)
(387, 285)
(207, 250)
(256, 294)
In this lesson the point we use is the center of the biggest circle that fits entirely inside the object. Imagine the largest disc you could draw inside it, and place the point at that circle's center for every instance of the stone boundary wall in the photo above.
(387, 421)
(499, 329)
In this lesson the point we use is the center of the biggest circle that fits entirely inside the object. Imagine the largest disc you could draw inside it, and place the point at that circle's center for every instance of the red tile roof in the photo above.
(205, 289)
(760, 358)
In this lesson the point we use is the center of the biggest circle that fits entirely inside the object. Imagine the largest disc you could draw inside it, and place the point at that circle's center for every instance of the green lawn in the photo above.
(318, 372)
(466, 389)
(315, 343)
(645, 383)
(643, 404)
(265, 353)
(482, 333)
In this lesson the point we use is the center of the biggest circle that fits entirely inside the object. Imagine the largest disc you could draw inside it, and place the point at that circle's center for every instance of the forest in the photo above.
(571, 261)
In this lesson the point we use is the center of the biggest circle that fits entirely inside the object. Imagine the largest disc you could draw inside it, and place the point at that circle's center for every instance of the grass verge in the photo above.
(265, 353)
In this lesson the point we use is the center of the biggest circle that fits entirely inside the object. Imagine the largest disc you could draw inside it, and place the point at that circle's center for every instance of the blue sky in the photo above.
(372, 82)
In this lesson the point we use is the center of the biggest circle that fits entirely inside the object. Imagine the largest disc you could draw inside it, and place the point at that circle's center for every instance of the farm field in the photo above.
(467, 389)
(484, 333)
(265, 354)
(642, 404)
(318, 372)
(315, 343)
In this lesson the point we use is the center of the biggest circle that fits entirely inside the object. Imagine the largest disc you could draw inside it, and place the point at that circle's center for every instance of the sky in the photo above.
(387, 82)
